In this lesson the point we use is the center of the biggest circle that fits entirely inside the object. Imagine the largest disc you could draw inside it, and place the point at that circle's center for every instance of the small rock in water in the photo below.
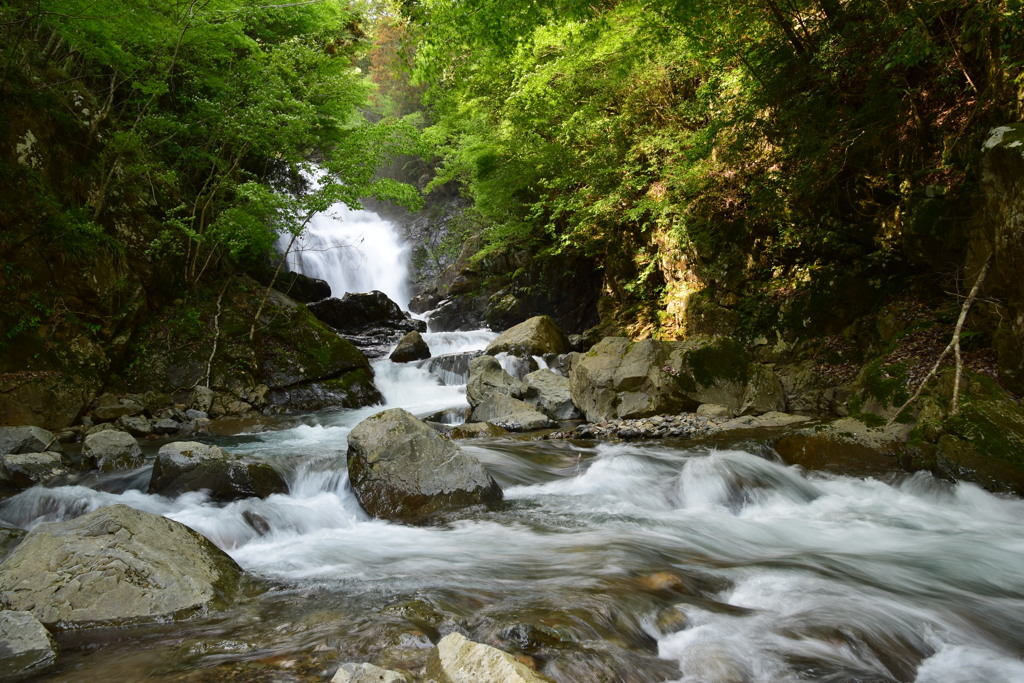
(25, 645)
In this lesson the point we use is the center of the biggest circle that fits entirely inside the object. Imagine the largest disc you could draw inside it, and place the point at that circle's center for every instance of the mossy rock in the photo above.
(291, 353)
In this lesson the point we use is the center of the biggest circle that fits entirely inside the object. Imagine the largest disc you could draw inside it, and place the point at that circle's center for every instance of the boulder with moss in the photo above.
(403, 470)
(537, 336)
(116, 565)
(185, 466)
(983, 444)
(278, 356)
(619, 378)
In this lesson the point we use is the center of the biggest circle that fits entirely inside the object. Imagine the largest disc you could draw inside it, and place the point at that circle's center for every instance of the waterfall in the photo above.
(353, 251)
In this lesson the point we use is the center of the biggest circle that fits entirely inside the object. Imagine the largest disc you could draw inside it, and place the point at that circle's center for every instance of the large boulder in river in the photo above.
(534, 337)
(112, 450)
(456, 659)
(116, 565)
(25, 645)
(487, 378)
(357, 311)
(410, 348)
(24, 470)
(403, 470)
(185, 466)
(619, 378)
(27, 440)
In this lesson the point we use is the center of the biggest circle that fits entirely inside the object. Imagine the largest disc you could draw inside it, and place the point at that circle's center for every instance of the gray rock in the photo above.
(25, 645)
(619, 378)
(103, 427)
(116, 565)
(201, 400)
(713, 410)
(166, 426)
(185, 466)
(457, 659)
(510, 413)
(487, 378)
(551, 395)
(24, 470)
(136, 425)
(451, 368)
(534, 337)
(367, 673)
(410, 348)
(772, 419)
(401, 469)
(110, 407)
(196, 414)
(27, 440)
(112, 450)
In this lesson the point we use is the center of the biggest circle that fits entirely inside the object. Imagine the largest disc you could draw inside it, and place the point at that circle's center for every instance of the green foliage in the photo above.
(191, 114)
(787, 131)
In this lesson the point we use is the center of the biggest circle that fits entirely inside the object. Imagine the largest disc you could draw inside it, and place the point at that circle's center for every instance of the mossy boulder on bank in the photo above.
(537, 336)
(292, 361)
(619, 378)
(983, 444)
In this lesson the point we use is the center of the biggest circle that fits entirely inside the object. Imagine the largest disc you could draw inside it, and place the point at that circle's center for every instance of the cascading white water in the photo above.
(783, 575)
(353, 251)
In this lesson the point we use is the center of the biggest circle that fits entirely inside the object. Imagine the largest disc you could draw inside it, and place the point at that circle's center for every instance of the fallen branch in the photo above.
(954, 346)
(216, 335)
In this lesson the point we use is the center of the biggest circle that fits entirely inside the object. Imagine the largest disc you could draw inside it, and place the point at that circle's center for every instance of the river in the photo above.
(699, 561)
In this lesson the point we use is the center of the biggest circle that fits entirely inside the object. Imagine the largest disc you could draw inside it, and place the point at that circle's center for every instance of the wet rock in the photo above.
(27, 440)
(25, 645)
(451, 368)
(367, 673)
(185, 466)
(102, 427)
(685, 425)
(537, 336)
(487, 378)
(528, 637)
(113, 566)
(112, 450)
(510, 413)
(356, 312)
(459, 660)
(551, 395)
(768, 420)
(136, 425)
(410, 348)
(301, 287)
(846, 445)
(401, 469)
(24, 470)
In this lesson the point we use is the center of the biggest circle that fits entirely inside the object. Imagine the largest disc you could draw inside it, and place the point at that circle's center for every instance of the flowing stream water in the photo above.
(705, 562)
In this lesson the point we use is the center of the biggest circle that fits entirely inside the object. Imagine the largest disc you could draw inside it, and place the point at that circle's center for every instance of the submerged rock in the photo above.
(401, 469)
(25, 645)
(367, 673)
(116, 565)
(456, 659)
(186, 466)
(111, 450)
